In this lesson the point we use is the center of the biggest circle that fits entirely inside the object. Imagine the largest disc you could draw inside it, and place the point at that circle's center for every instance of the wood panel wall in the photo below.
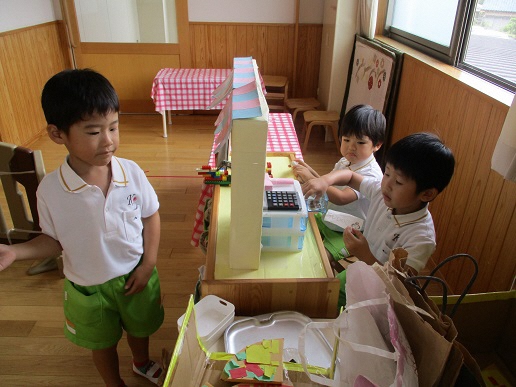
(475, 214)
(214, 45)
(131, 75)
(28, 58)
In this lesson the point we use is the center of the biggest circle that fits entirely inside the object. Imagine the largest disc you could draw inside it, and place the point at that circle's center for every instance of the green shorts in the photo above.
(96, 315)
(332, 240)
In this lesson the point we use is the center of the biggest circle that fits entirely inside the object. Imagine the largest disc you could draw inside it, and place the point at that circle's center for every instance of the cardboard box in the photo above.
(191, 365)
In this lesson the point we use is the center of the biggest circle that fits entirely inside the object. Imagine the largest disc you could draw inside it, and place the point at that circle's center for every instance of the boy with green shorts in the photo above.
(361, 133)
(101, 212)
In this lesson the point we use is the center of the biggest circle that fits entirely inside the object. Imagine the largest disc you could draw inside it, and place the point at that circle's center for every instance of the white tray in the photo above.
(287, 325)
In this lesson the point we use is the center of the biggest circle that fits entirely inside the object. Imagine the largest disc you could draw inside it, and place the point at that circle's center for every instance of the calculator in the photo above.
(281, 201)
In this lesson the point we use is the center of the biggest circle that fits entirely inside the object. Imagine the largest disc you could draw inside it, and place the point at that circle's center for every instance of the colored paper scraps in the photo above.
(261, 362)
(246, 102)
(243, 62)
(224, 125)
(222, 91)
(286, 383)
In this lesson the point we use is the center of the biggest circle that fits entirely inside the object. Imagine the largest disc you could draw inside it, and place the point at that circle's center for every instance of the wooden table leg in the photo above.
(163, 115)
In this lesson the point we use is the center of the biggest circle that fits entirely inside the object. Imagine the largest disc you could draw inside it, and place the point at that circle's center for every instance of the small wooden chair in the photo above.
(277, 91)
(324, 119)
(301, 105)
(24, 167)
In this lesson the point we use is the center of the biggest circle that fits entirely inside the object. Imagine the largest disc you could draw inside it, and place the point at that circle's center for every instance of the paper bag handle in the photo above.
(301, 348)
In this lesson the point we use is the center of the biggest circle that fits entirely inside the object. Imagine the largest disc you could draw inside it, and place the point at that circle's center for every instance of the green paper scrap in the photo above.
(266, 343)
(230, 365)
(241, 356)
(275, 346)
(263, 378)
(268, 371)
(258, 354)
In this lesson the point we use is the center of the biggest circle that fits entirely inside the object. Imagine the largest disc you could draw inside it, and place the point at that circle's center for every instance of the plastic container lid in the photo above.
(212, 316)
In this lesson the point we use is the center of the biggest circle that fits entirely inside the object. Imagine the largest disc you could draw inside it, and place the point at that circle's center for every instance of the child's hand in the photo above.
(138, 280)
(7, 256)
(302, 173)
(356, 243)
(315, 187)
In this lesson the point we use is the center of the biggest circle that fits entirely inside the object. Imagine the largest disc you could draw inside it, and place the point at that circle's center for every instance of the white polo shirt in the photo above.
(384, 231)
(101, 236)
(358, 208)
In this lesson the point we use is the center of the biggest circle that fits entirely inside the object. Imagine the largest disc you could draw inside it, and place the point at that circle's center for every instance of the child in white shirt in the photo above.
(418, 168)
(361, 133)
(102, 213)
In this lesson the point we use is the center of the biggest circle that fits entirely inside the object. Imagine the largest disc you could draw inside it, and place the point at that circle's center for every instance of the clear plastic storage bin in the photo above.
(284, 230)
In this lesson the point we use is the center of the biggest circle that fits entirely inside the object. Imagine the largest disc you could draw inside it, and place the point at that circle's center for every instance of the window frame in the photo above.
(453, 55)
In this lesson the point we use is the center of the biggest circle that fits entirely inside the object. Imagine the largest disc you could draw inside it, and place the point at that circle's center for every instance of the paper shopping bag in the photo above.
(365, 355)
(432, 335)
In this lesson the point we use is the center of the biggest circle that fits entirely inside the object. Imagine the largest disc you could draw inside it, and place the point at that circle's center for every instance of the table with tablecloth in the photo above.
(186, 89)
(281, 138)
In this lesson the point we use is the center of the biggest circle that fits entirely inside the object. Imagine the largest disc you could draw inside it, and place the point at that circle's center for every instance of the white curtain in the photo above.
(366, 18)
(504, 155)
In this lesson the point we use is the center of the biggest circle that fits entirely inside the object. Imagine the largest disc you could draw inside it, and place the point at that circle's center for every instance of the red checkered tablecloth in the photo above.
(281, 137)
(186, 89)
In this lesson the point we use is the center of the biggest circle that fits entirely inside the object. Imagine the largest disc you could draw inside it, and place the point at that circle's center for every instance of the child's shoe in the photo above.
(152, 371)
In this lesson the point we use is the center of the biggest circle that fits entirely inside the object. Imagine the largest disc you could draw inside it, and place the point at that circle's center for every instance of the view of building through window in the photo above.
(478, 36)
(492, 41)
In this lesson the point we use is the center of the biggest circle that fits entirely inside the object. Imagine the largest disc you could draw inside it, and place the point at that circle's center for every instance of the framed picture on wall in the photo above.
(373, 79)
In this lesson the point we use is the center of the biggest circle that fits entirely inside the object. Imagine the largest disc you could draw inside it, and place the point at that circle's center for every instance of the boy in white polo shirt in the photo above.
(361, 133)
(418, 168)
(102, 213)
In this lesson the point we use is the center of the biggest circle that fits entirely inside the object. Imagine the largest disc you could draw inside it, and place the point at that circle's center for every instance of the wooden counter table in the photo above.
(300, 281)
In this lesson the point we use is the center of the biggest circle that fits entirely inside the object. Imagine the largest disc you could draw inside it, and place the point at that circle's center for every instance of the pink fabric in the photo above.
(186, 89)
(281, 137)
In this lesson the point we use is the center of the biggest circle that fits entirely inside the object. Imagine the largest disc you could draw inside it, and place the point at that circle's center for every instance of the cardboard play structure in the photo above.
(244, 122)
(253, 259)
(248, 153)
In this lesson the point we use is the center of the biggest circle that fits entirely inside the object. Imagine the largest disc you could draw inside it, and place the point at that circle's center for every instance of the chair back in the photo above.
(20, 166)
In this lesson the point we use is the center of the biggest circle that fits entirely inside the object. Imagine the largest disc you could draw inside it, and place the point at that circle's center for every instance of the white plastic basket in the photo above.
(212, 316)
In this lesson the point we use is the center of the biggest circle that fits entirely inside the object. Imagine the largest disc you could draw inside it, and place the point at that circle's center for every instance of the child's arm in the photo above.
(151, 234)
(303, 171)
(41, 247)
(342, 196)
(341, 177)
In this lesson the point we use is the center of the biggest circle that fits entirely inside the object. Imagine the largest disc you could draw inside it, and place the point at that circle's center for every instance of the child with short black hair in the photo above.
(102, 213)
(418, 168)
(361, 133)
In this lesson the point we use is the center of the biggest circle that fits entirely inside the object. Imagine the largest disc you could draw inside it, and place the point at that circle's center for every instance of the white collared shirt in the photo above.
(384, 231)
(101, 236)
(358, 208)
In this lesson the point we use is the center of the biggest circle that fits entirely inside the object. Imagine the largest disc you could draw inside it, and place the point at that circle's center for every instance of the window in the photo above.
(478, 36)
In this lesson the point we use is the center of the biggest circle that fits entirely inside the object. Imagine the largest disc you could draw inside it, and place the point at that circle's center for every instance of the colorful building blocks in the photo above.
(214, 176)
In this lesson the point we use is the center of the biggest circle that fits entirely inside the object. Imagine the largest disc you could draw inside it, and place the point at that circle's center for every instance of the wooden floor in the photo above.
(33, 350)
